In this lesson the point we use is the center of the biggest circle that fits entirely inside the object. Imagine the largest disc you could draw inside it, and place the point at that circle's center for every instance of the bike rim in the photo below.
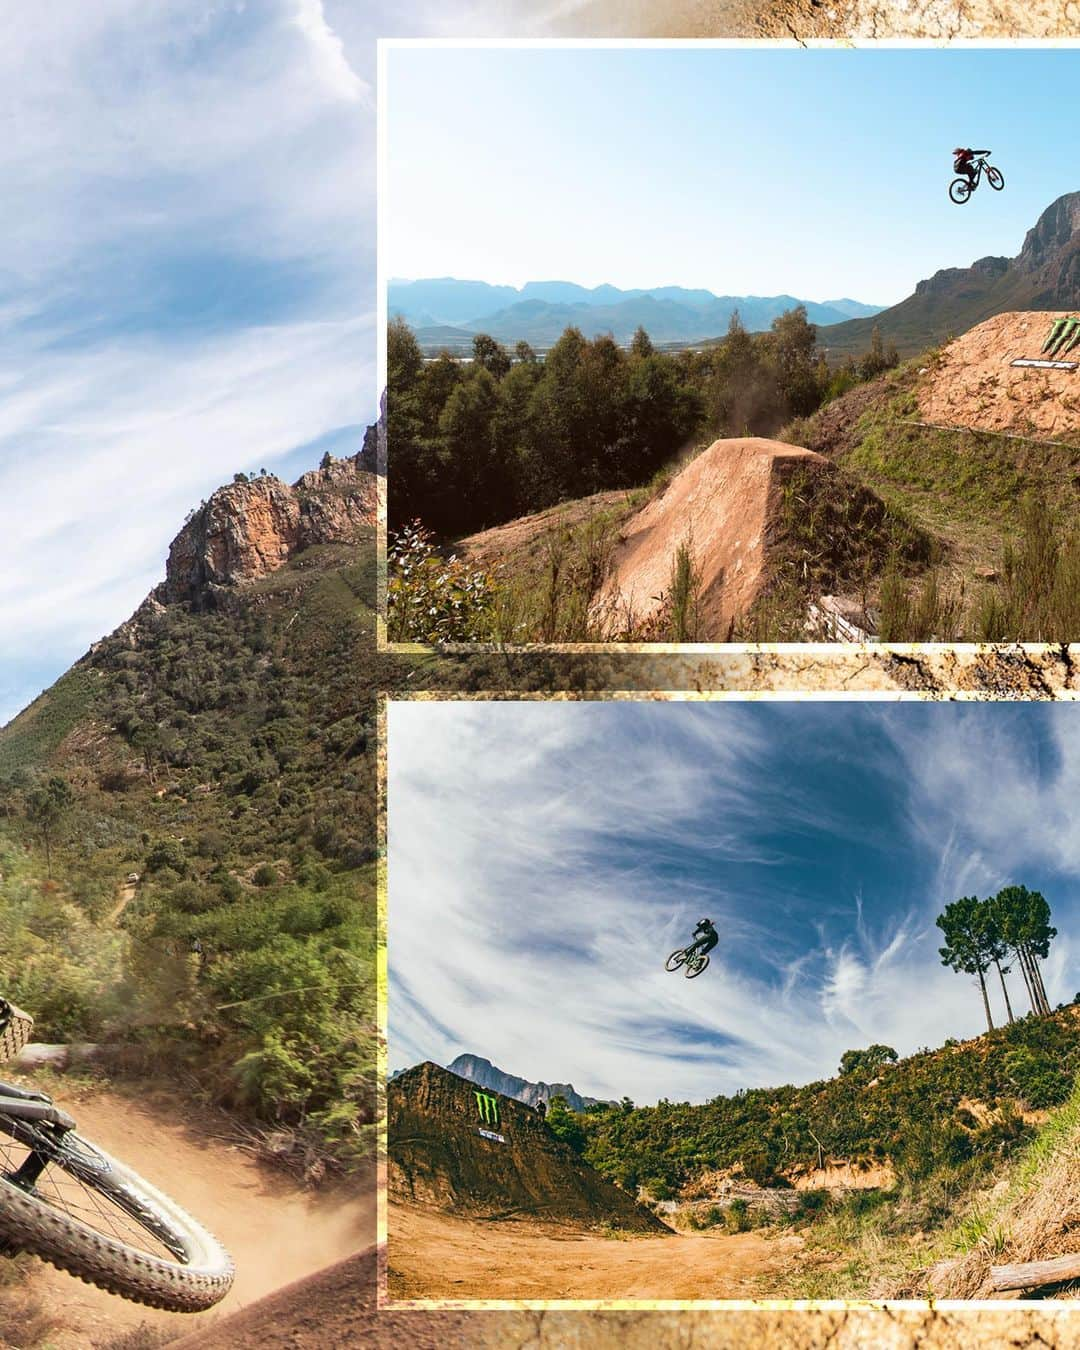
(76, 1180)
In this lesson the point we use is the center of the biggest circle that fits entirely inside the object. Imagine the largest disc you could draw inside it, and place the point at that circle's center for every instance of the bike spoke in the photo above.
(68, 1193)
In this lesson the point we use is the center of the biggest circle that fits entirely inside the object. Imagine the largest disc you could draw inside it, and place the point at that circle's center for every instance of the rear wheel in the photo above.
(67, 1201)
(675, 960)
(995, 178)
(960, 190)
(696, 964)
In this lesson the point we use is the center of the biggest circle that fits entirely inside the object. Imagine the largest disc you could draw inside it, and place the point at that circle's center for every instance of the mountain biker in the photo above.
(706, 938)
(962, 162)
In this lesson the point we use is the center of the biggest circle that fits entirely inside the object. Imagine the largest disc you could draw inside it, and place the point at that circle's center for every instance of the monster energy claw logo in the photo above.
(1064, 335)
(488, 1108)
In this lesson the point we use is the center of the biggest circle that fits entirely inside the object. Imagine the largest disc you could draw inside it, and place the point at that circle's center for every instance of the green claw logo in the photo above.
(488, 1108)
(1063, 337)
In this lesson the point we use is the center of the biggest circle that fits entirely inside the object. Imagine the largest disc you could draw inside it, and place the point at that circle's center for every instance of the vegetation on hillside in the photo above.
(481, 442)
(226, 759)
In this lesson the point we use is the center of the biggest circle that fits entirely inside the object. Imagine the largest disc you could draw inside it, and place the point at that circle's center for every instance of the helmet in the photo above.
(703, 922)
(960, 150)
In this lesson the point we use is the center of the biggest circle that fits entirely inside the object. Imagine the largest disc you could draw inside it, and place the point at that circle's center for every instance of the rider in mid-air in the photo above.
(962, 163)
(706, 938)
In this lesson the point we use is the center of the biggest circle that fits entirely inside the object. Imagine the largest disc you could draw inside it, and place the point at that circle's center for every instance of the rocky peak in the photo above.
(1056, 230)
(253, 526)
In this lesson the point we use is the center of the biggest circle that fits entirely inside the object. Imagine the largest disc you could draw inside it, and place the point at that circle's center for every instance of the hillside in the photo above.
(1044, 275)
(199, 897)
(936, 501)
(454, 1148)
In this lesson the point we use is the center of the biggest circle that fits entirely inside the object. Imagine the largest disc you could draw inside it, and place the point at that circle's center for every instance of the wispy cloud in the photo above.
(545, 859)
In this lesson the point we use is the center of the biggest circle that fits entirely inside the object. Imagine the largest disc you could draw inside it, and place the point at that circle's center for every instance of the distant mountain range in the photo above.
(445, 312)
(1045, 274)
(484, 1074)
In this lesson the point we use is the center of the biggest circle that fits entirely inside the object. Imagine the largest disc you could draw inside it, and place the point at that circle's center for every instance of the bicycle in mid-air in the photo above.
(67, 1201)
(691, 957)
(960, 189)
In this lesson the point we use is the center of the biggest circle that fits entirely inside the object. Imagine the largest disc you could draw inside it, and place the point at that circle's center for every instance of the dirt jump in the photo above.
(721, 505)
(274, 1229)
(975, 384)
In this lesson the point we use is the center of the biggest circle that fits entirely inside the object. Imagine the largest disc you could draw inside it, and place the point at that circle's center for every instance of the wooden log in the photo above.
(1031, 1274)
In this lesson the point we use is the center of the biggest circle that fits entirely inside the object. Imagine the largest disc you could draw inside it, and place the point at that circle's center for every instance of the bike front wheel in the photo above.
(995, 178)
(960, 190)
(675, 960)
(67, 1201)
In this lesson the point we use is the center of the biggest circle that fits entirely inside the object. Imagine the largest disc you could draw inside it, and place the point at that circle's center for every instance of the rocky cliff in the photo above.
(485, 1074)
(254, 526)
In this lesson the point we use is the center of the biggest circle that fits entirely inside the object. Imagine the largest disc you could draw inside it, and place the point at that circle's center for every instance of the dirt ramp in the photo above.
(975, 385)
(458, 1148)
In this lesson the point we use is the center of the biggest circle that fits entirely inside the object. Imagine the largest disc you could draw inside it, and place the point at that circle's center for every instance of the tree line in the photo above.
(477, 443)
(1007, 930)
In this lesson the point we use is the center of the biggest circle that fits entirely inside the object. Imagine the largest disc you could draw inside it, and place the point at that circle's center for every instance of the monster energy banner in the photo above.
(490, 1134)
(488, 1107)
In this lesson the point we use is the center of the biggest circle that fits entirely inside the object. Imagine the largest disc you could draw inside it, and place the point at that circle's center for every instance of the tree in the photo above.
(1022, 918)
(46, 807)
(641, 343)
(872, 1059)
(490, 355)
(326, 460)
(969, 942)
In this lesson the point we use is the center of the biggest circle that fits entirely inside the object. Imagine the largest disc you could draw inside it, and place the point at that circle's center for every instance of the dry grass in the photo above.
(1036, 1217)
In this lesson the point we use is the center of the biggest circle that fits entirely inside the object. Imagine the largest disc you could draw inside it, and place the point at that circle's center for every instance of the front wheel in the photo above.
(67, 1201)
(960, 190)
(696, 964)
(995, 178)
(675, 960)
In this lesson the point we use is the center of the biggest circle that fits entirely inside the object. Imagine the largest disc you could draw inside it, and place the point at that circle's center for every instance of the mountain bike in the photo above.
(960, 189)
(692, 958)
(67, 1201)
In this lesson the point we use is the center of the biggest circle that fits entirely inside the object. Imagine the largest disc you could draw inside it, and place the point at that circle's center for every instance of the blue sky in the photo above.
(545, 859)
(819, 173)
(186, 250)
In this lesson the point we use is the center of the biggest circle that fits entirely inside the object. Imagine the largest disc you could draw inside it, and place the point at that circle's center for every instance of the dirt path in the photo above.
(440, 1256)
(124, 897)
(276, 1232)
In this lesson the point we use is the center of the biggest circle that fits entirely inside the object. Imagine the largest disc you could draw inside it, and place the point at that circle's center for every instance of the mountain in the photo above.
(212, 851)
(854, 309)
(485, 1074)
(1045, 274)
(446, 313)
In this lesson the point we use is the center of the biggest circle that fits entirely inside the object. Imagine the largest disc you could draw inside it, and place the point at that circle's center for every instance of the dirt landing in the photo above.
(975, 386)
(441, 1256)
(275, 1232)
(720, 505)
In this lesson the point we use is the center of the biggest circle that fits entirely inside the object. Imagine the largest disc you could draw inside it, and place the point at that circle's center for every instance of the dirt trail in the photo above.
(276, 1232)
(441, 1256)
(124, 897)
